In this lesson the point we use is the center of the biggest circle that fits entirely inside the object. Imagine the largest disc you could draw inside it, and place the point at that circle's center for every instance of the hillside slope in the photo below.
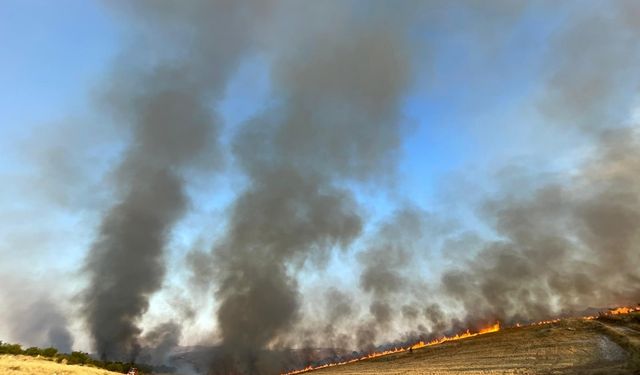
(572, 346)
(23, 365)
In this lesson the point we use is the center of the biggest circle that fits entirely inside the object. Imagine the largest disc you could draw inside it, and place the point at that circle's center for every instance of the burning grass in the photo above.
(624, 315)
(421, 344)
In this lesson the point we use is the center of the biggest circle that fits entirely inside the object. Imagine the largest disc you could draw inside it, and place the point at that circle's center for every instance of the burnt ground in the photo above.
(572, 346)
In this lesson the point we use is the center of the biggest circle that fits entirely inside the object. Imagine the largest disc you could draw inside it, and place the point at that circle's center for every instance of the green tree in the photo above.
(49, 352)
(10, 349)
(79, 357)
(32, 351)
(115, 366)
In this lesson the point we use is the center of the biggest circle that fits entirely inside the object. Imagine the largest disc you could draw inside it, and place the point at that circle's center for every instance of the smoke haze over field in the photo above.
(41, 321)
(334, 174)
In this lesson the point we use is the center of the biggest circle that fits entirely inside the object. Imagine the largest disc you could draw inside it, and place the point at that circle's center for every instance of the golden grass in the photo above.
(23, 365)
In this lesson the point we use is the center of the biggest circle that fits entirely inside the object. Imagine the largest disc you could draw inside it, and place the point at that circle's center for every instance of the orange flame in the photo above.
(493, 328)
(615, 311)
(622, 310)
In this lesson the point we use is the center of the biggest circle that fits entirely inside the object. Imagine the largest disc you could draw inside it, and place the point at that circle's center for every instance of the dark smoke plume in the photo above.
(166, 109)
(336, 120)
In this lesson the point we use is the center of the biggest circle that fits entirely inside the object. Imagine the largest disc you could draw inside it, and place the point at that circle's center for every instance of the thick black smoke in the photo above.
(339, 76)
(166, 108)
(336, 120)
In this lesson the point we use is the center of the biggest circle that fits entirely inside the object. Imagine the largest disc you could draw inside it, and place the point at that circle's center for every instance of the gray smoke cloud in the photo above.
(336, 120)
(126, 265)
(37, 318)
(390, 252)
(339, 305)
(558, 249)
(560, 246)
(393, 274)
(591, 67)
(565, 247)
(386, 270)
(39, 323)
(165, 106)
(159, 343)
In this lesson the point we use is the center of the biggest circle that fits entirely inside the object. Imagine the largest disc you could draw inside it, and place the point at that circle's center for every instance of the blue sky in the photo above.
(471, 111)
(51, 56)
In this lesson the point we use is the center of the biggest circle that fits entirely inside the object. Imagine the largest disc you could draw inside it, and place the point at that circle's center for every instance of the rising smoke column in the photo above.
(338, 119)
(126, 262)
(166, 108)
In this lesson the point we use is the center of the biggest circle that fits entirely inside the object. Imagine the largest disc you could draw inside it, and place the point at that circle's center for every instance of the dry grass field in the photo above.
(572, 346)
(25, 365)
